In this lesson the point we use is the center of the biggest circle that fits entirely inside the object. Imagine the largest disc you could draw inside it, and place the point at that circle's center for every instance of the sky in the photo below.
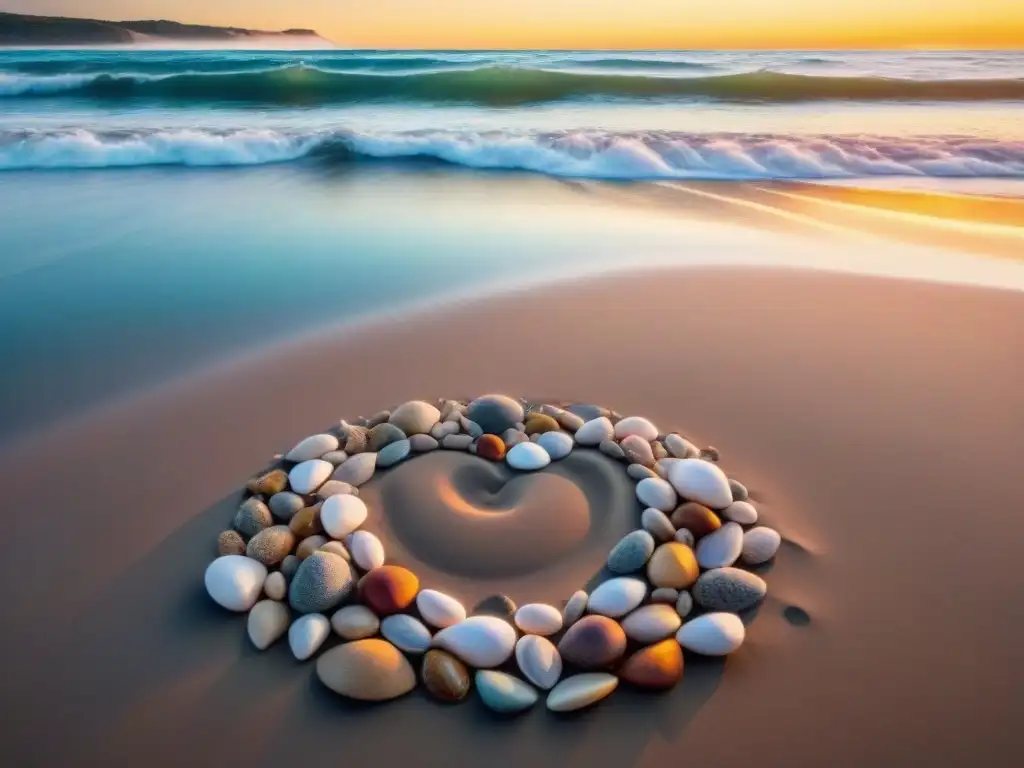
(593, 23)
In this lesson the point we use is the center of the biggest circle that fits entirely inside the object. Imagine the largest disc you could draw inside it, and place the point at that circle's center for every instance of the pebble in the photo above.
(684, 605)
(513, 437)
(656, 522)
(367, 550)
(355, 622)
(367, 670)
(336, 488)
(655, 492)
(710, 454)
(680, 447)
(665, 595)
(595, 432)
(415, 417)
(444, 676)
(617, 597)
(309, 545)
(382, 436)
(289, 566)
(285, 504)
(230, 543)
(490, 447)
(271, 545)
(276, 586)
(721, 548)
(313, 447)
(640, 472)
(457, 442)
(637, 450)
(380, 417)
(423, 443)
(471, 428)
(662, 467)
(438, 609)
(480, 641)
(503, 693)
(388, 589)
(686, 537)
(539, 661)
(569, 421)
(558, 445)
(658, 451)
(611, 449)
(306, 635)
(406, 633)
(394, 453)
(356, 440)
(442, 429)
(696, 518)
(589, 412)
(252, 517)
(341, 515)
(742, 512)
(673, 565)
(581, 691)
(357, 470)
(335, 457)
(538, 423)
(712, 634)
(638, 426)
(739, 490)
(527, 457)
(651, 623)
(322, 581)
(631, 553)
(538, 619)
(337, 548)
(575, 608)
(495, 413)
(310, 475)
(267, 622)
(656, 667)
(760, 545)
(593, 642)
(701, 481)
(501, 606)
(729, 589)
(235, 581)
(274, 481)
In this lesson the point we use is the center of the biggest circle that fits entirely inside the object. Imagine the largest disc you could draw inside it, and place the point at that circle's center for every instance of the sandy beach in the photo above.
(875, 421)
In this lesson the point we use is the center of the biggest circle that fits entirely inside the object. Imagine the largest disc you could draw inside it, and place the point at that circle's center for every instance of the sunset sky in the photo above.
(593, 23)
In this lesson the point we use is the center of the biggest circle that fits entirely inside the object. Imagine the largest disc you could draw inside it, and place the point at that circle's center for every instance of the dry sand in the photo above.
(877, 422)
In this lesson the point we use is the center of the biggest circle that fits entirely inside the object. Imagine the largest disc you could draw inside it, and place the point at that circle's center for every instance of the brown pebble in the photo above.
(444, 676)
(710, 453)
(309, 545)
(539, 423)
(696, 518)
(655, 667)
(388, 589)
(673, 565)
(306, 522)
(230, 543)
(593, 642)
(660, 451)
(271, 545)
(490, 447)
(272, 482)
(367, 670)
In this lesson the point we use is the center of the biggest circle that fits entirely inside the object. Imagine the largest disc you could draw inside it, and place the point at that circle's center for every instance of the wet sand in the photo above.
(877, 423)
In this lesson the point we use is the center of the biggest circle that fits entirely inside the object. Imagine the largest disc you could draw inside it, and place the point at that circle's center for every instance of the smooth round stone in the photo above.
(503, 693)
(588, 412)
(306, 635)
(289, 566)
(394, 453)
(760, 545)
(713, 634)
(495, 413)
(696, 518)
(444, 676)
(306, 523)
(341, 515)
(235, 582)
(513, 437)
(569, 421)
(680, 447)
(637, 450)
(539, 661)
(685, 537)
(656, 667)
(276, 586)
(527, 457)
(651, 623)
(444, 428)
(423, 443)
(636, 426)
(357, 470)
(274, 481)
(415, 417)
(539, 619)
(406, 633)
(595, 432)
(684, 605)
(310, 475)
(471, 428)
(335, 457)
(701, 481)
(656, 522)
(672, 565)
(337, 548)
(285, 504)
(267, 622)
(457, 442)
(611, 449)
(640, 472)
(438, 609)
(321, 583)
(367, 551)
(366, 670)
(252, 517)
(336, 488)
(739, 490)
(388, 589)
(501, 606)
(631, 553)
(665, 595)
(356, 440)
(382, 436)
(309, 545)
(271, 545)
(742, 512)
(313, 447)
(617, 597)
(539, 423)
(593, 642)
(557, 445)
(575, 608)
(721, 548)
(581, 691)
(355, 622)
(230, 543)
(655, 492)
(480, 641)
(729, 589)
(490, 447)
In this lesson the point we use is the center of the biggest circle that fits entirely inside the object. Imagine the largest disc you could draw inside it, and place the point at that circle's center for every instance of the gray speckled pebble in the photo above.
(631, 553)
(729, 589)
(285, 504)
(322, 581)
(252, 517)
